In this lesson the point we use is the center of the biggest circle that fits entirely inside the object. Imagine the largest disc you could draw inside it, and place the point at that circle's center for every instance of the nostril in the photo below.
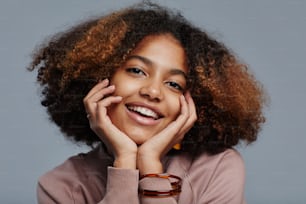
(151, 92)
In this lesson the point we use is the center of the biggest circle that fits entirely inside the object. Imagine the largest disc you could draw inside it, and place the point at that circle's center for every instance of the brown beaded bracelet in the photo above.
(176, 186)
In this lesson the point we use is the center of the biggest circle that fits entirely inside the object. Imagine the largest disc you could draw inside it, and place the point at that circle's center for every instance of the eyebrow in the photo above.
(173, 71)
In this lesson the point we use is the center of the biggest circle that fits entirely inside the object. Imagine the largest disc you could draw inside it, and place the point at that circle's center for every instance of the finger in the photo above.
(184, 110)
(90, 109)
(102, 105)
(98, 112)
(191, 106)
(100, 94)
(97, 88)
(192, 115)
(108, 101)
(174, 127)
(164, 140)
(90, 102)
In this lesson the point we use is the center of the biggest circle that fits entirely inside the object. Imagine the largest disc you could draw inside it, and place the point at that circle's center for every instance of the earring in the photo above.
(177, 146)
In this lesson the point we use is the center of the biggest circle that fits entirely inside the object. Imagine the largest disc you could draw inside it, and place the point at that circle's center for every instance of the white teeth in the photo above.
(144, 111)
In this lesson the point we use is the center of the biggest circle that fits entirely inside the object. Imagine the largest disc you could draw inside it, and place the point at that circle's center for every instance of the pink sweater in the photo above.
(90, 178)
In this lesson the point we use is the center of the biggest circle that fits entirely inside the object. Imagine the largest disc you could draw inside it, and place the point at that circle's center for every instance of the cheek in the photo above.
(174, 107)
(124, 87)
(120, 89)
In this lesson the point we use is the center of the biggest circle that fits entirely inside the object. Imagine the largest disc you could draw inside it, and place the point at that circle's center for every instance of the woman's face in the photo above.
(150, 83)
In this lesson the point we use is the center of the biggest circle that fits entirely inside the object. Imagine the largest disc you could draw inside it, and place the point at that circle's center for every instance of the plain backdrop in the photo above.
(269, 35)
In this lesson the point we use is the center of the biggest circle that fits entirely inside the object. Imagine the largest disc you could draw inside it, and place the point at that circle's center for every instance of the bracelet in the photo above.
(164, 176)
(152, 193)
(176, 186)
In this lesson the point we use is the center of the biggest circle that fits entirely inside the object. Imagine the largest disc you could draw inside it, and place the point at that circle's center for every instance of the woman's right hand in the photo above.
(121, 146)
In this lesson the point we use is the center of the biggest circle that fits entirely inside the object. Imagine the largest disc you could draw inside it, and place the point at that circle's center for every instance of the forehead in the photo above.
(159, 40)
(162, 49)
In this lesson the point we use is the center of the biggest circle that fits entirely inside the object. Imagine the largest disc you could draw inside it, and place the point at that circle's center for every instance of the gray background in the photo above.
(267, 34)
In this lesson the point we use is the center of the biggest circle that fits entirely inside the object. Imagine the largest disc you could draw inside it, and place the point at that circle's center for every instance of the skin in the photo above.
(151, 81)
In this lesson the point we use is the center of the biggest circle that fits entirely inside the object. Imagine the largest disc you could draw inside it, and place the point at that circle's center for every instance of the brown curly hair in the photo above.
(228, 99)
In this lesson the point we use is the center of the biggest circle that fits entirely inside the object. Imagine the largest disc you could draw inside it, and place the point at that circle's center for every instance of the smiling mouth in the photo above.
(143, 111)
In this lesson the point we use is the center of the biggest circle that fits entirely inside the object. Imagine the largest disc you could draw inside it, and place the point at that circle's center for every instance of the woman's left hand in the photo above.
(150, 153)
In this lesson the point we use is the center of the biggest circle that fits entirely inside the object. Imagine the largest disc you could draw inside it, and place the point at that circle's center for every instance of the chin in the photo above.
(140, 136)
(139, 140)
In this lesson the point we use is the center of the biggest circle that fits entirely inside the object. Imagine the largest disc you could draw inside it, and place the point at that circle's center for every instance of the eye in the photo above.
(175, 85)
(135, 71)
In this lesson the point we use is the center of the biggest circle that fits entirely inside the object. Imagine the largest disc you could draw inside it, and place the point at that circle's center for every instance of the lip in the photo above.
(142, 120)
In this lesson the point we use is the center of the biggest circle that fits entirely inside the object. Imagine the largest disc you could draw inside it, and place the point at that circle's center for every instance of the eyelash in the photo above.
(172, 84)
(175, 85)
(135, 70)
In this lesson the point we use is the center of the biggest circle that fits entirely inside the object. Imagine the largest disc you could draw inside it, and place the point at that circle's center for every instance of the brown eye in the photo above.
(175, 85)
(135, 70)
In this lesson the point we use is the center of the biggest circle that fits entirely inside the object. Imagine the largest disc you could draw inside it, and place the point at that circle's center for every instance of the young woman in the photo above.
(161, 103)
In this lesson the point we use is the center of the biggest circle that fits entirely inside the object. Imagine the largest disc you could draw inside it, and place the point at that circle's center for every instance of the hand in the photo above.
(150, 153)
(121, 146)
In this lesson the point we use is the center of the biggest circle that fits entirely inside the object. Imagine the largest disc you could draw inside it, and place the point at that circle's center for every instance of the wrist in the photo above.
(125, 161)
(147, 164)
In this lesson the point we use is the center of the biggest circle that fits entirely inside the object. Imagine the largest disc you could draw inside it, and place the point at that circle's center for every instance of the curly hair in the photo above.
(229, 100)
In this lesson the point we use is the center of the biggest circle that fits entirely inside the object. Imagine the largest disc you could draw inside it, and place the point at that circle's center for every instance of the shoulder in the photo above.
(227, 165)
(57, 184)
(78, 173)
(229, 159)
(62, 177)
(204, 166)
(79, 166)
(219, 177)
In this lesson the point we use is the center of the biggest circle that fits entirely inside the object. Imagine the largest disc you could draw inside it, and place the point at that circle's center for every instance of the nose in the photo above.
(152, 90)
